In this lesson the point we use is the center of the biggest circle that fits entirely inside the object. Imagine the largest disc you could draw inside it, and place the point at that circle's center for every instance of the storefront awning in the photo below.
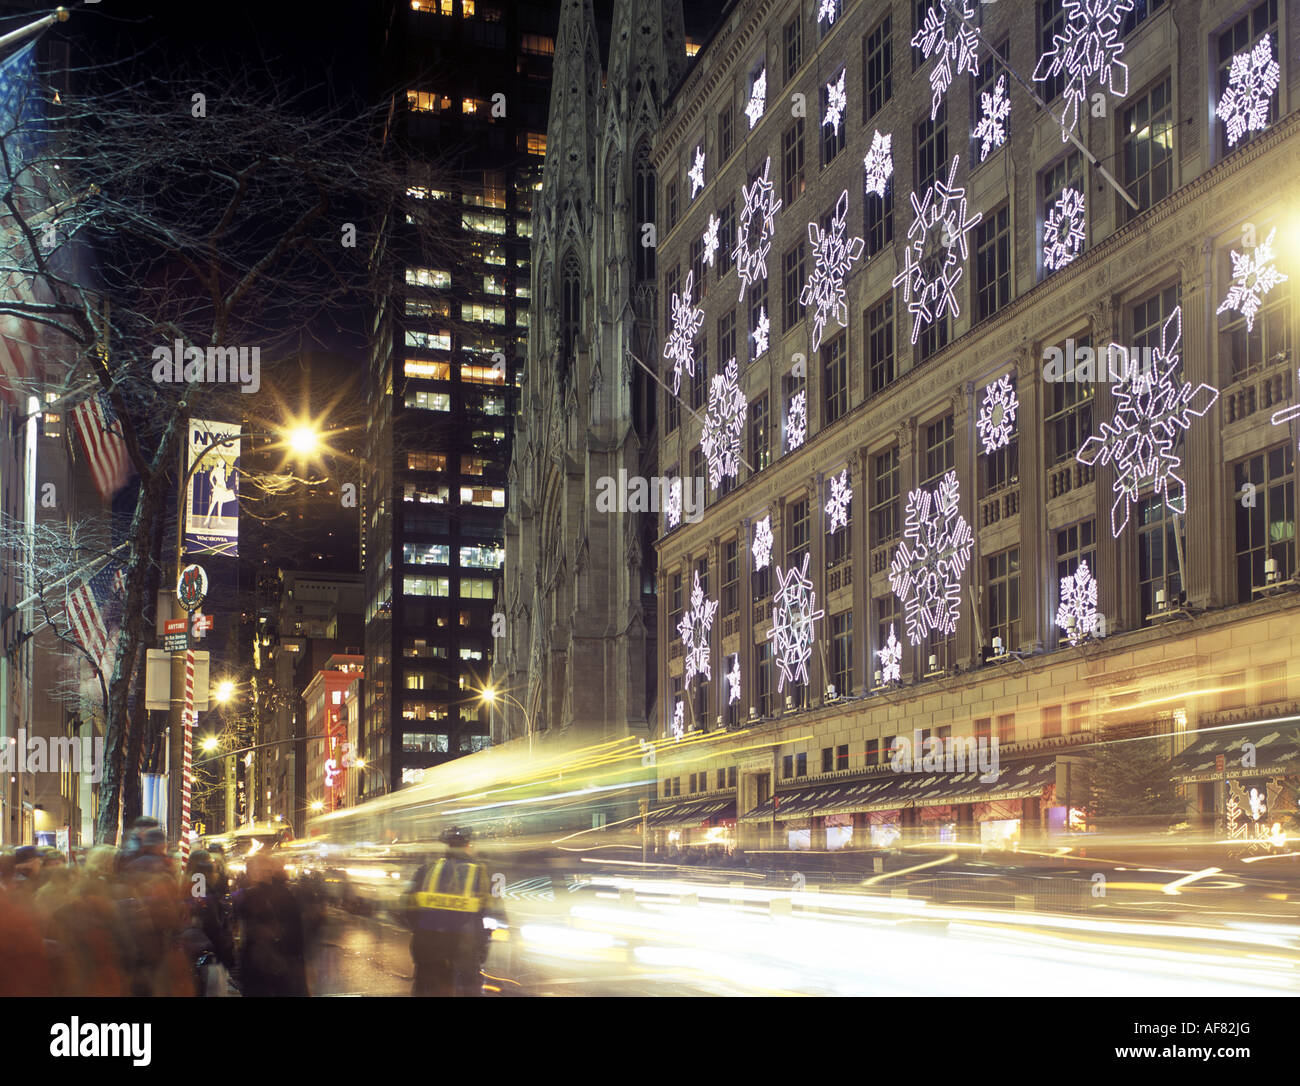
(1216, 755)
(691, 813)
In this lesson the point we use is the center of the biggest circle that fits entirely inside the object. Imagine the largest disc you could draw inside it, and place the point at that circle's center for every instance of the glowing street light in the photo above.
(317, 806)
(210, 744)
(303, 440)
(224, 692)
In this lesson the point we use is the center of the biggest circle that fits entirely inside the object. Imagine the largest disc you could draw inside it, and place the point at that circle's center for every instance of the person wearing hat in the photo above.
(147, 850)
(26, 871)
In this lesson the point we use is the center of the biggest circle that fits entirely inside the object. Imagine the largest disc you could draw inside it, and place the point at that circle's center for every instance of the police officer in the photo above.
(446, 905)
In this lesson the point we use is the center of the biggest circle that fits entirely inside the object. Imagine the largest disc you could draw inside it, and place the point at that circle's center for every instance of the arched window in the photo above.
(644, 211)
(570, 309)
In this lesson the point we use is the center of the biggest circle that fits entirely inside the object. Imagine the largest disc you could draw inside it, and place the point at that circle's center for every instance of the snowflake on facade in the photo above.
(762, 543)
(1253, 276)
(1078, 602)
(925, 573)
(878, 166)
(673, 512)
(694, 630)
(828, 10)
(833, 256)
(723, 422)
(1252, 81)
(995, 108)
(1086, 47)
(688, 319)
(696, 172)
(760, 201)
(1152, 404)
(946, 38)
(711, 239)
(891, 658)
(796, 421)
(757, 99)
(837, 507)
(733, 680)
(1063, 231)
(837, 102)
(679, 720)
(793, 615)
(761, 333)
(1284, 415)
(932, 267)
(997, 419)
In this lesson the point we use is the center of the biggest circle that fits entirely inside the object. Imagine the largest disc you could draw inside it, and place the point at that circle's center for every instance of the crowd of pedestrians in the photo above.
(131, 922)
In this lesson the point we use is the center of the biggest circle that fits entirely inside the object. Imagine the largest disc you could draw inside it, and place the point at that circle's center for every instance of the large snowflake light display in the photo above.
(878, 165)
(1253, 276)
(1063, 231)
(927, 567)
(837, 101)
(833, 256)
(793, 614)
(1086, 47)
(932, 267)
(948, 40)
(828, 10)
(891, 658)
(1078, 602)
(694, 630)
(1252, 80)
(757, 99)
(997, 419)
(1152, 404)
(796, 421)
(761, 332)
(711, 240)
(837, 507)
(733, 680)
(762, 543)
(673, 512)
(760, 201)
(723, 422)
(995, 108)
(679, 720)
(687, 322)
(696, 172)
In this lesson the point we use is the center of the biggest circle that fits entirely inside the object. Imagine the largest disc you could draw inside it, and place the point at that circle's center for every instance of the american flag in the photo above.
(95, 614)
(96, 425)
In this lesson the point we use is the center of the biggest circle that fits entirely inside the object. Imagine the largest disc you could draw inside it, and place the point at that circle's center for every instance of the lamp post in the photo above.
(489, 695)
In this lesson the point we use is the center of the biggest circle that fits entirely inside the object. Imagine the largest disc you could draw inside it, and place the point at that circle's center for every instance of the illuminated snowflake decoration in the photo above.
(793, 614)
(711, 239)
(949, 41)
(995, 108)
(723, 422)
(687, 322)
(997, 419)
(733, 680)
(1063, 231)
(878, 166)
(1253, 276)
(796, 421)
(1087, 48)
(833, 256)
(827, 11)
(1252, 80)
(891, 658)
(837, 101)
(757, 99)
(1078, 602)
(673, 514)
(696, 172)
(760, 201)
(762, 548)
(925, 573)
(1152, 404)
(1285, 414)
(679, 721)
(837, 507)
(932, 262)
(761, 333)
(694, 630)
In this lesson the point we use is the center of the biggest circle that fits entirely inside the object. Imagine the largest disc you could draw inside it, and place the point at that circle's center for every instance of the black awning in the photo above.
(692, 812)
(1215, 755)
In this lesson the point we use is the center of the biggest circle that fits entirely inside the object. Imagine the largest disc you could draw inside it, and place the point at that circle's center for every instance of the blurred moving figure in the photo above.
(272, 956)
(208, 938)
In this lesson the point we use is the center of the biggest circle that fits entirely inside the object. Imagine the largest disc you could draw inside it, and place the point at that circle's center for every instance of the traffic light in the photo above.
(200, 829)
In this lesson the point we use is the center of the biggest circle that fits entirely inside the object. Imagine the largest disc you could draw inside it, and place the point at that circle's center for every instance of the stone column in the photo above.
(907, 476)
(965, 640)
(1116, 558)
(1037, 570)
(1207, 554)
(859, 559)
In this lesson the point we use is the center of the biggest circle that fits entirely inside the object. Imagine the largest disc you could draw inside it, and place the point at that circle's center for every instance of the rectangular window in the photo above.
(1075, 544)
(1266, 527)
(878, 69)
(1002, 465)
(475, 588)
(828, 759)
(835, 377)
(879, 219)
(841, 660)
(1051, 23)
(797, 518)
(1052, 182)
(730, 576)
(766, 686)
(672, 412)
(880, 346)
(422, 461)
(485, 496)
(757, 305)
(482, 557)
(1244, 351)
(793, 42)
(726, 337)
(796, 273)
(986, 83)
(940, 450)
(873, 752)
(726, 133)
(792, 158)
(834, 137)
(726, 237)
(1157, 557)
(426, 586)
(1003, 586)
(1068, 403)
(1051, 721)
(483, 375)
(1138, 14)
(670, 198)
(839, 543)
(992, 263)
(888, 617)
(1240, 38)
(801, 765)
(428, 277)
(429, 341)
(699, 378)
(787, 766)
(886, 523)
(426, 369)
(932, 149)
(760, 449)
(1147, 133)
(842, 755)
(426, 554)
(428, 401)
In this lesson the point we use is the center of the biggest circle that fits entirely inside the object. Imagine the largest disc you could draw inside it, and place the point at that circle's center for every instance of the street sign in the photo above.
(191, 587)
(174, 626)
(174, 642)
(200, 623)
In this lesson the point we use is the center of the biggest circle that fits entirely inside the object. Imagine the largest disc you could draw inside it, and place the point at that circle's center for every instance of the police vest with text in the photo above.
(453, 896)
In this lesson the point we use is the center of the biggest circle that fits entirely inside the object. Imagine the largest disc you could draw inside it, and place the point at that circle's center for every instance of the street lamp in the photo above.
(489, 695)
(210, 744)
(224, 692)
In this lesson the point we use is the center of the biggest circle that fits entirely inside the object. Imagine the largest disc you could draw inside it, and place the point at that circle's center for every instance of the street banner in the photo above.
(212, 496)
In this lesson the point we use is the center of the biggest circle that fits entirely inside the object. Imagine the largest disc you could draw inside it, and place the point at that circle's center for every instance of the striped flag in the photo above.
(95, 615)
(95, 424)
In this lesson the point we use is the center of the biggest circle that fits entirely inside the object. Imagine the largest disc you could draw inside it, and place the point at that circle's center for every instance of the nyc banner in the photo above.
(212, 496)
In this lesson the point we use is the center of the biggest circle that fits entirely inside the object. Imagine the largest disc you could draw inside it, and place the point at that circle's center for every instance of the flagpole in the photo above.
(58, 15)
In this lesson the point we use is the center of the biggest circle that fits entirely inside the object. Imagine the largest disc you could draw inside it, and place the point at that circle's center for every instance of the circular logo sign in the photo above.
(191, 587)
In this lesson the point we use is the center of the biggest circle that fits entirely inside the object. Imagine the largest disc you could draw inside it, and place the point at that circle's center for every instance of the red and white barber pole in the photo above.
(187, 757)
